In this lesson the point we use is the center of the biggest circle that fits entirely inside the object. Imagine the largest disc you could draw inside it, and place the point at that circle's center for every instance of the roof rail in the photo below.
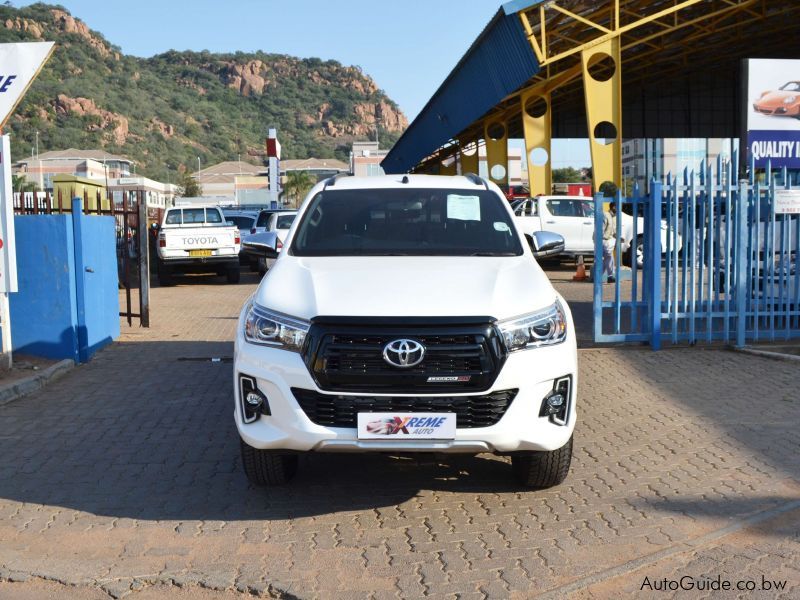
(331, 181)
(477, 180)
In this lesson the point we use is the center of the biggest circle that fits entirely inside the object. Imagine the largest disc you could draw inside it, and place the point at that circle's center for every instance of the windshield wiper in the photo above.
(493, 254)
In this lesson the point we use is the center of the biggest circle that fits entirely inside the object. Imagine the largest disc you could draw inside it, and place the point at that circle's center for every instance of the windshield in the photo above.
(284, 221)
(241, 222)
(190, 216)
(792, 86)
(406, 222)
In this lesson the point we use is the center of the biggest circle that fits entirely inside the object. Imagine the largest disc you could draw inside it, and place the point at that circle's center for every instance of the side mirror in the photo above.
(545, 243)
(261, 245)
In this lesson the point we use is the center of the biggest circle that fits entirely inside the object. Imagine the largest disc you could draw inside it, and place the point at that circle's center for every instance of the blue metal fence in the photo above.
(701, 259)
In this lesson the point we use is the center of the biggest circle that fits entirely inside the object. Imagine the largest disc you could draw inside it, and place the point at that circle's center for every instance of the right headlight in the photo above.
(546, 327)
(264, 327)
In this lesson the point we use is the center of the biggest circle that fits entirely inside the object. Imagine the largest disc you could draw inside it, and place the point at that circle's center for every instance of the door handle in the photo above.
(550, 222)
(588, 222)
(89, 270)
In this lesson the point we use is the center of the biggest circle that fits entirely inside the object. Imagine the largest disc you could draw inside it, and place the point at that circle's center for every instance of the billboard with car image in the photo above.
(773, 112)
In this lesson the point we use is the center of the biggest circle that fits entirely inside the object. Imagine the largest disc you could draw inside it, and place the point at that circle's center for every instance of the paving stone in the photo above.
(127, 469)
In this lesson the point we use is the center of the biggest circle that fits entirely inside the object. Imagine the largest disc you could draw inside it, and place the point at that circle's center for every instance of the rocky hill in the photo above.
(165, 111)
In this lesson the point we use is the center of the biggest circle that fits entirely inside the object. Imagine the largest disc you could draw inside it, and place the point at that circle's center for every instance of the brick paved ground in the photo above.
(124, 477)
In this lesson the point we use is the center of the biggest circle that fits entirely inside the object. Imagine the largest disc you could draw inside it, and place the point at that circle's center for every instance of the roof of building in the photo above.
(75, 154)
(681, 69)
(314, 164)
(233, 167)
(498, 63)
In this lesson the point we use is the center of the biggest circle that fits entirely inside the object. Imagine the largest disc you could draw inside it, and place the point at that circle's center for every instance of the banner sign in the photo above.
(19, 65)
(773, 112)
(779, 148)
(8, 246)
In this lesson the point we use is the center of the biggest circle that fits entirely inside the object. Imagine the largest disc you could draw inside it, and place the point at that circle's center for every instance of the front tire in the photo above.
(636, 250)
(267, 467)
(542, 469)
(233, 274)
(164, 275)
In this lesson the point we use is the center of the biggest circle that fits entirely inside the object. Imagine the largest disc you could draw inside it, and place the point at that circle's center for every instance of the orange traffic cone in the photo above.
(580, 273)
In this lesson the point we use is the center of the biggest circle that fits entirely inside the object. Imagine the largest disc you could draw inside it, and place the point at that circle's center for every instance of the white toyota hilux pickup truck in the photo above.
(407, 314)
(573, 218)
(197, 239)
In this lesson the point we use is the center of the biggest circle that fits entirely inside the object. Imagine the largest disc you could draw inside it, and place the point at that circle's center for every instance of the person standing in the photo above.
(609, 241)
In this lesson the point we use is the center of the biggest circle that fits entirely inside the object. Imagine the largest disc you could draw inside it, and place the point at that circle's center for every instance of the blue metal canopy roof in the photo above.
(497, 64)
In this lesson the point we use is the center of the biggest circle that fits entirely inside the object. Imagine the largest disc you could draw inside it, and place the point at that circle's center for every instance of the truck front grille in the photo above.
(459, 357)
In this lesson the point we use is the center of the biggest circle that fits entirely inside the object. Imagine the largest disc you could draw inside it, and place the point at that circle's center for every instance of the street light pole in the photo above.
(41, 175)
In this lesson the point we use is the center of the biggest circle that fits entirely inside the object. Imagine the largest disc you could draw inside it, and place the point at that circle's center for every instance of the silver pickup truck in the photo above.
(197, 239)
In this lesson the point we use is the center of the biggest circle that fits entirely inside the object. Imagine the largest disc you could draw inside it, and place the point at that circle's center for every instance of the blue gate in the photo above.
(702, 259)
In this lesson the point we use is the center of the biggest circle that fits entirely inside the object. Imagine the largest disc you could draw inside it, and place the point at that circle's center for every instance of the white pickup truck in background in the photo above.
(572, 217)
(197, 239)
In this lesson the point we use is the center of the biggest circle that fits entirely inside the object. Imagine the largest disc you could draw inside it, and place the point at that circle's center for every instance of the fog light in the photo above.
(254, 400)
(253, 403)
(555, 405)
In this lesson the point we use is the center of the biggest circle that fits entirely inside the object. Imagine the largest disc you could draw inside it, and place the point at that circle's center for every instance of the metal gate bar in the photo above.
(131, 231)
(719, 263)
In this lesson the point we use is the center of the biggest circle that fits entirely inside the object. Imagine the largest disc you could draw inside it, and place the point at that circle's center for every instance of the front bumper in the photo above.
(521, 428)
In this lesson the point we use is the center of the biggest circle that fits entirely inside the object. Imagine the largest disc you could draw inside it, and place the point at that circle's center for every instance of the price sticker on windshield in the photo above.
(463, 208)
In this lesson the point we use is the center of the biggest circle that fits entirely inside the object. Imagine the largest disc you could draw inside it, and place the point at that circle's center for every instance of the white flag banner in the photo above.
(8, 246)
(19, 65)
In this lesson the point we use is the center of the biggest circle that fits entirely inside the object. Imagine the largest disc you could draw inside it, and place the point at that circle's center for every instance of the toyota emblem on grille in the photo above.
(403, 353)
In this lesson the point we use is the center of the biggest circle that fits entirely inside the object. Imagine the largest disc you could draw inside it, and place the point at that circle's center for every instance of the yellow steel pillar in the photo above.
(447, 165)
(536, 125)
(496, 136)
(602, 88)
(468, 155)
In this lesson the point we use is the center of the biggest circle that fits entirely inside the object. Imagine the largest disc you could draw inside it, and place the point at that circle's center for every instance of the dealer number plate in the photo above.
(406, 426)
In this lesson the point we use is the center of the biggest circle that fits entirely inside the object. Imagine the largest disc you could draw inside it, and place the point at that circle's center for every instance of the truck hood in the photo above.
(499, 287)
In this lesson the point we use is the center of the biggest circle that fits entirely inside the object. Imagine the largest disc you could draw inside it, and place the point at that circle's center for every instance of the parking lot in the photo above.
(124, 476)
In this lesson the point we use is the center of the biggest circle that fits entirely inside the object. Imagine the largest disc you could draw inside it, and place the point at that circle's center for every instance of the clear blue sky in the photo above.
(408, 47)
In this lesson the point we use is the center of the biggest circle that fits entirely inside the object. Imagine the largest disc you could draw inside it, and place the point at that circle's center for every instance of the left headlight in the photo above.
(542, 328)
(262, 326)
(789, 99)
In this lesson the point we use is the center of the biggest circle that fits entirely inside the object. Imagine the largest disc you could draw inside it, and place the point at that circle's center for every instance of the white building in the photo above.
(646, 159)
(365, 159)
(235, 182)
(92, 164)
(157, 195)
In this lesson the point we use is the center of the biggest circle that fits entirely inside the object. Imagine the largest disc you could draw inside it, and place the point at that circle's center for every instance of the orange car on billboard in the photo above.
(783, 102)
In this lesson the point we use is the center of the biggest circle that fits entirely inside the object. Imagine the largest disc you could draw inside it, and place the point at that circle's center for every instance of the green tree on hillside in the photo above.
(298, 184)
(189, 187)
(164, 110)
